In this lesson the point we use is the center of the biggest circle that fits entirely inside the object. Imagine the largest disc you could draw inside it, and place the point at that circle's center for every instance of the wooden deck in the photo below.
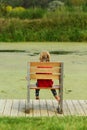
(15, 107)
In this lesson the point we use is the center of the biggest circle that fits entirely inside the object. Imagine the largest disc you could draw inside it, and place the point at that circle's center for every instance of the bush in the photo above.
(8, 8)
(20, 12)
(15, 12)
(35, 13)
(54, 27)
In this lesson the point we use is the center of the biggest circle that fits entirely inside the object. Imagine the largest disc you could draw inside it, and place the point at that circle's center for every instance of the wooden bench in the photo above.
(45, 70)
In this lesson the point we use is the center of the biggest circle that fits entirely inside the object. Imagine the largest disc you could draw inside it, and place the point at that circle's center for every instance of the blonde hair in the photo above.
(44, 57)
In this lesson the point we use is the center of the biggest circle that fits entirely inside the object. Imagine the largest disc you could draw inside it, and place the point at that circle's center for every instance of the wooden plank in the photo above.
(44, 76)
(78, 108)
(43, 108)
(15, 108)
(66, 110)
(30, 114)
(44, 70)
(50, 108)
(55, 105)
(7, 110)
(21, 111)
(2, 106)
(52, 64)
(83, 104)
(71, 107)
(36, 108)
(85, 107)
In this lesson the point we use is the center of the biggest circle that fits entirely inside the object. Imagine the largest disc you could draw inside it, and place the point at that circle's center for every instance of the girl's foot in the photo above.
(57, 98)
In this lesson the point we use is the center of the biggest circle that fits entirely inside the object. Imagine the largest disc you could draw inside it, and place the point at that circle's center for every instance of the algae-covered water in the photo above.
(13, 68)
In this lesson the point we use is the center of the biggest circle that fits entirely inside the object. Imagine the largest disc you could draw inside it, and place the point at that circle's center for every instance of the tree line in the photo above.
(41, 3)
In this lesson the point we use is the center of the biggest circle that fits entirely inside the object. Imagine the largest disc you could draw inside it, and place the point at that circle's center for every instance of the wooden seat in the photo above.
(46, 70)
(33, 86)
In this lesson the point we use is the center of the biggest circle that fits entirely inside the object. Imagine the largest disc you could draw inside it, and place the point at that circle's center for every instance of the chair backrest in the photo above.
(45, 70)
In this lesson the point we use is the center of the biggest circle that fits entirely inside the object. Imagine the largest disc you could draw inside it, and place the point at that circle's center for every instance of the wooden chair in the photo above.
(46, 70)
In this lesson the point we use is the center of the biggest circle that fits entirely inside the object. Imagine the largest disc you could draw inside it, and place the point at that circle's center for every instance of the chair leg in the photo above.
(28, 94)
(60, 104)
(28, 100)
(60, 107)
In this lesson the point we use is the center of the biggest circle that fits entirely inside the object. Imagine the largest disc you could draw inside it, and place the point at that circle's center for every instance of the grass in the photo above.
(13, 68)
(52, 123)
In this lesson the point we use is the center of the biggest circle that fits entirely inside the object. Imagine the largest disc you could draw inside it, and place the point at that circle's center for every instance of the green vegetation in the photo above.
(57, 21)
(22, 13)
(53, 123)
(53, 27)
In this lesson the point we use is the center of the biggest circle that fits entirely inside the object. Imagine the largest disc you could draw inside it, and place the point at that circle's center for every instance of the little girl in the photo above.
(45, 57)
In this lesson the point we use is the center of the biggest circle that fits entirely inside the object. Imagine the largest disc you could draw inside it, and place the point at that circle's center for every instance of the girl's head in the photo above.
(44, 57)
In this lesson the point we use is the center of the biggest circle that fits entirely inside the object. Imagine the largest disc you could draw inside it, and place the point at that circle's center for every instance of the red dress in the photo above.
(44, 82)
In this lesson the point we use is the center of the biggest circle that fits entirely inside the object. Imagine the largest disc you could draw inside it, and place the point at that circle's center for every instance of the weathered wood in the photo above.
(83, 104)
(42, 108)
(71, 107)
(55, 105)
(78, 107)
(52, 64)
(31, 109)
(44, 70)
(36, 108)
(50, 108)
(21, 111)
(61, 89)
(2, 106)
(44, 76)
(66, 110)
(15, 107)
(8, 107)
(28, 85)
(33, 86)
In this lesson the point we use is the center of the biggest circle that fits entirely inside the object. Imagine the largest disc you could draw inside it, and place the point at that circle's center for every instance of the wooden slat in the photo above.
(83, 104)
(52, 64)
(42, 88)
(78, 108)
(2, 106)
(55, 105)
(15, 106)
(33, 86)
(8, 107)
(43, 108)
(21, 108)
(31, 109)
(66, 110)
(36, 107)
(50, 108)
(44, 70)
(44, 76)
(71, 107)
